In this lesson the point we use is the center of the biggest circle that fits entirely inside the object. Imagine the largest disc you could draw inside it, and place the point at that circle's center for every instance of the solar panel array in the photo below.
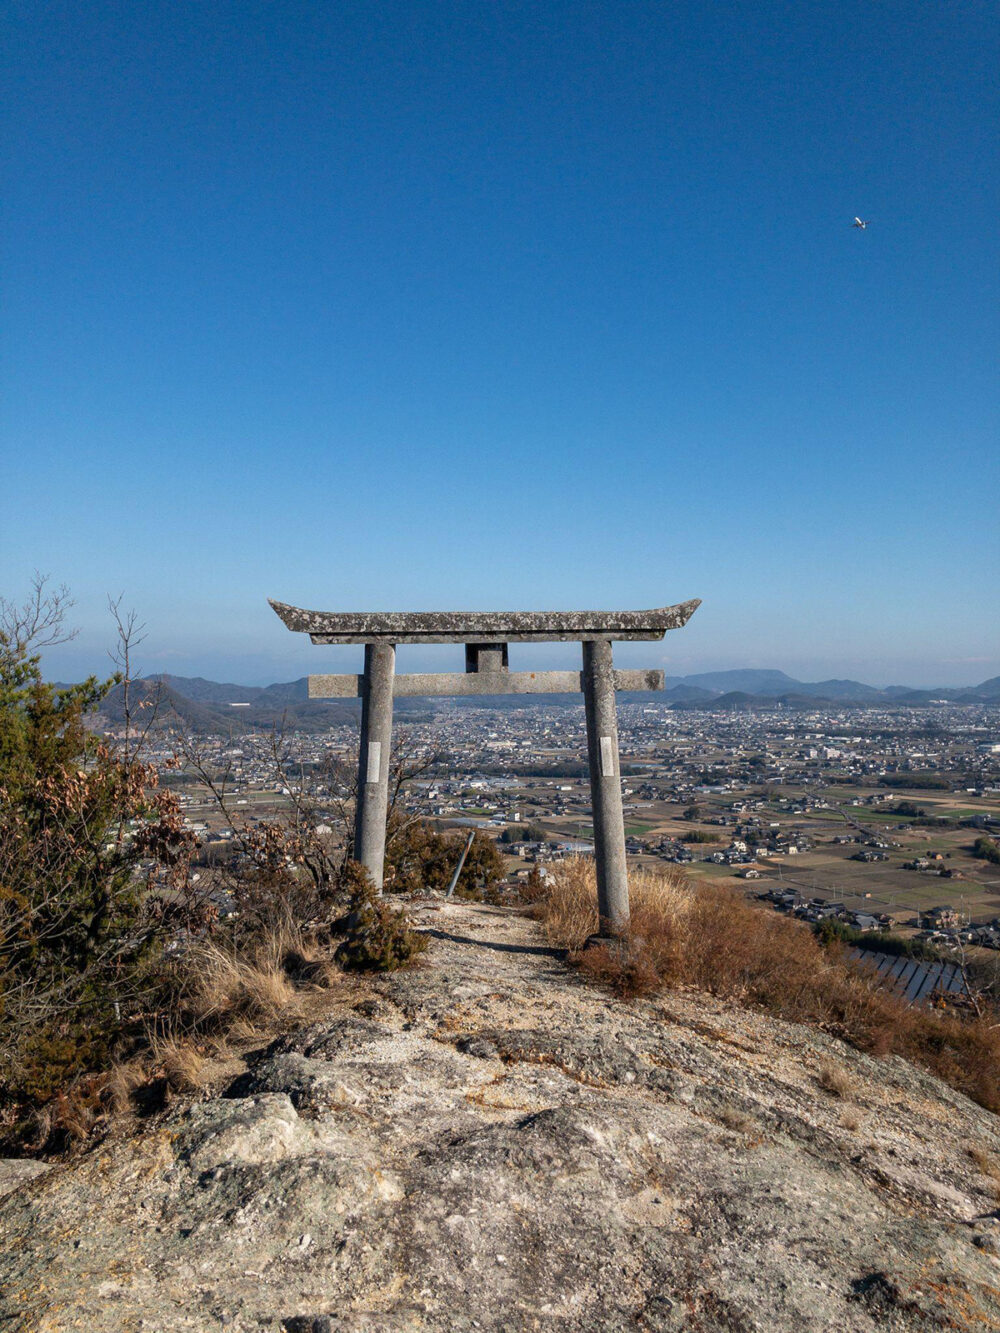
(915, 979)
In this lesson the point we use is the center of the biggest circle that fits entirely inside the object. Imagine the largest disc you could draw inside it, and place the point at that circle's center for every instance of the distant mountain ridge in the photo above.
(192, 703)
(213, 706)
(774, 685)
(214, 692)
(751, 679)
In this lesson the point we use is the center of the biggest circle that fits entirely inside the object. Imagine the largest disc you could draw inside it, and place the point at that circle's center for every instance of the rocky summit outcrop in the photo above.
(487, 1142)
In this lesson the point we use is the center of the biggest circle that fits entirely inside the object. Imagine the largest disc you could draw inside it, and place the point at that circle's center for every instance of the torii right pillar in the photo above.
(605, 786)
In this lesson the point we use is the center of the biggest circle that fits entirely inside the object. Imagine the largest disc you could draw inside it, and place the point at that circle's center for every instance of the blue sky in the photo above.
(458, 305)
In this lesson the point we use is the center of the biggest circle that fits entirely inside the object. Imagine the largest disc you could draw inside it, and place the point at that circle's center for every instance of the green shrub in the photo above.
(379, 935)
(84, 831)
(418, 859)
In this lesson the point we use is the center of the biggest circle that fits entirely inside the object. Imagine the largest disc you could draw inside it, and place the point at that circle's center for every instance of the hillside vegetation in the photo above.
(113, 955)
(684, 934)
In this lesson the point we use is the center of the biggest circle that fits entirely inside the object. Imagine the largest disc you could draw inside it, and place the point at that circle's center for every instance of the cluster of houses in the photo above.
(943, 925)
(819, 909)
(932, 864)
(736, 854)
(669, 849)
(986, 937)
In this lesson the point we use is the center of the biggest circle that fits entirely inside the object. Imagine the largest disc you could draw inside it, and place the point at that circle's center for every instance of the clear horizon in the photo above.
(501, 306)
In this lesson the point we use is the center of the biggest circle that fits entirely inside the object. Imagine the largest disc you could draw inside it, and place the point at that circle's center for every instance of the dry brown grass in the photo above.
(712, 938)
(835, 1079)
(181, 1062)
(735, 1119)
(567, 906)
(221, 996)
(121, 1082)
(255, 987)
(209, 994)
(986, 1164)
(227, 988)
(623, 968)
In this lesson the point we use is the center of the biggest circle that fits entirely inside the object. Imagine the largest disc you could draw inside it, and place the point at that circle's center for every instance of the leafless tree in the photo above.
(139, 715)
(274, 854)
(38, 622)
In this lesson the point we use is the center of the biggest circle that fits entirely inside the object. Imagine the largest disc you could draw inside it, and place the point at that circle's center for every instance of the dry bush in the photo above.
(850, 1122)
(712, 938)
(234, 992)
(219, 985)
(69, 1119)
(986, 1164)
(623, 968)
(120, 1083)
(566, 905)
(835, 1079)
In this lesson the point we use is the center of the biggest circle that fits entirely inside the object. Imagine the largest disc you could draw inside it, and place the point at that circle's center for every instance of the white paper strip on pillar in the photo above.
(607, 757)
(374, 761)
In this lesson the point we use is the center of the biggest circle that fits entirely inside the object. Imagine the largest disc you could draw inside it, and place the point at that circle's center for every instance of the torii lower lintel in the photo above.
(486, 636)
(432, 683)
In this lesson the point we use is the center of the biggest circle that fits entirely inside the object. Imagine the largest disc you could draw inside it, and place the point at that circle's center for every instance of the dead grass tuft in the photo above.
(835, 1079)
(986, 1164)
(181, 1063)
(735, 1119)
(712, 938)
(227, 988)
(120, 1083)
(258, 986)
(625, 969)
(567, 905)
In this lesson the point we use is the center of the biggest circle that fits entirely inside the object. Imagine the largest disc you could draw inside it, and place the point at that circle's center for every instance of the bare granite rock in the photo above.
(489, 1143)
(14, 1171)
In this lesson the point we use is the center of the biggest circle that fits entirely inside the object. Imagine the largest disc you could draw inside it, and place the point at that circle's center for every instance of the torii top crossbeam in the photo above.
(483, 626)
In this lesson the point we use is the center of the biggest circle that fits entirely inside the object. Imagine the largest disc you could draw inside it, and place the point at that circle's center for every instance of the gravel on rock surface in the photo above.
(487, 1142)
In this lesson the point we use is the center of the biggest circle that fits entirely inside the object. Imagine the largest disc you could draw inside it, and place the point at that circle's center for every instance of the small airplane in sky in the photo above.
(858, 222)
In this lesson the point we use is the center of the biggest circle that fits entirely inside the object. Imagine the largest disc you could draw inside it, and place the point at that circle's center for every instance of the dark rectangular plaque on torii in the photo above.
(486, 635)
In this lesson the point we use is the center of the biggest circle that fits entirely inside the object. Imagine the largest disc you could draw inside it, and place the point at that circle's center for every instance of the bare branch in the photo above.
(40, 620)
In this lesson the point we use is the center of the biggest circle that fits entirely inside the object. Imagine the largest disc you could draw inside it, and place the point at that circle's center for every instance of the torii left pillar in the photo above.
(373, 766)
(605, 787)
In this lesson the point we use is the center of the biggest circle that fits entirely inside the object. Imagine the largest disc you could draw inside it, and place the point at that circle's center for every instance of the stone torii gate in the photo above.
(486, 636)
